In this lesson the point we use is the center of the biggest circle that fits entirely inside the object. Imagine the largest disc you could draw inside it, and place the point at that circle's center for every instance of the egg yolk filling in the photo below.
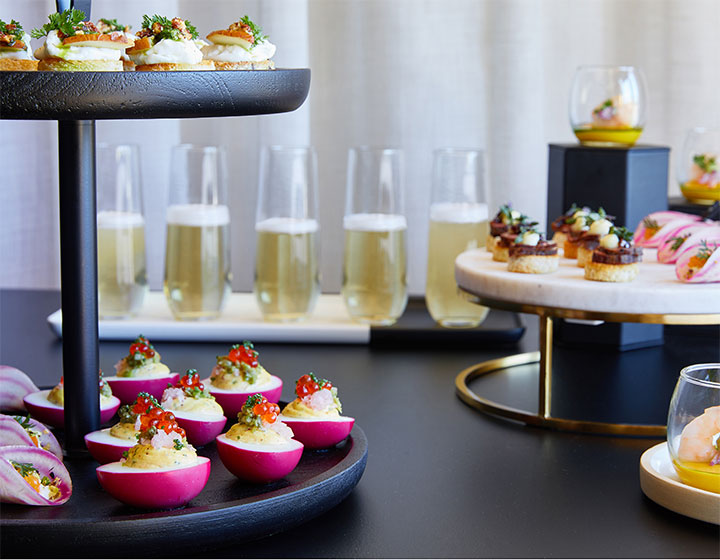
(57, 393)
(190, 395)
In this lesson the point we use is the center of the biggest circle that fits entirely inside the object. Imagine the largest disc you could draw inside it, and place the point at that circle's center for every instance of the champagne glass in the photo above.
(374, 285)
(699, 166)
(197, 252)
(287, 277)
(122, 269)
(607, 105)
(458, 223)
(694, 426)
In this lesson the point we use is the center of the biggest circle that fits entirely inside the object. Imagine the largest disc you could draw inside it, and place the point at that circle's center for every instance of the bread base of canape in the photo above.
(61, 65)
(261, 65)
(584, 256)
(559, 238)
(500, 253)
(175, 66)
(18, 65)
(570, 249)
(534, 264)
(601, 272)
(128, 66)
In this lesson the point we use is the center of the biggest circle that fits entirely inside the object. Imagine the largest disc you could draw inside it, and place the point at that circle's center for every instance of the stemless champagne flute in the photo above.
(287, 277)
(699, 165)
(374, 285)
(122, 273)
(607, 105)
(197, 253)
(693, 431)
(458, 223)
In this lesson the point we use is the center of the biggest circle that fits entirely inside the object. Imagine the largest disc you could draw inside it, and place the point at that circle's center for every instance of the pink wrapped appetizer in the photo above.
(23, 430)
(702, 265)
(32, 476)
(652, 230)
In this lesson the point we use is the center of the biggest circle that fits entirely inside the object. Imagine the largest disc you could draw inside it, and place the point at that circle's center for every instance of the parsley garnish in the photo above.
(167, 30)
(12, 29)
(67, 23)
(704, 252)
(25, 469)
(254, 29)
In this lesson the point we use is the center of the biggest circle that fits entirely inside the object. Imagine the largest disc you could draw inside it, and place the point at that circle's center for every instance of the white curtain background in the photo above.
(415, 74)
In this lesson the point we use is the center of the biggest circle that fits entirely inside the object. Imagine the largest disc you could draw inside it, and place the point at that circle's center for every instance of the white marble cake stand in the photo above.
(655, 296)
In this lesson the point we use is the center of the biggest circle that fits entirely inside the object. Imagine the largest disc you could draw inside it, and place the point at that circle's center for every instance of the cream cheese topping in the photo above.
(236, 53)
(169, 51)
(53, 48)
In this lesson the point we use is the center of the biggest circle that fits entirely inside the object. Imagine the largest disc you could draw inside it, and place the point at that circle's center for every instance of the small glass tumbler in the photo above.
(287, 276)
(693, 430)
(458, 223)
(699, 167)
(607, 105)
(197, 251)
(122, 268)
(374, 284)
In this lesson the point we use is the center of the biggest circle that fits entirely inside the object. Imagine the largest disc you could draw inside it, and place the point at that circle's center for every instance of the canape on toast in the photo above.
(168, 45)
(242, 46)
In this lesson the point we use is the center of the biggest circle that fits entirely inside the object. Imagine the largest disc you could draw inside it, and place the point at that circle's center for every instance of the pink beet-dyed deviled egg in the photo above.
(48, 405)
(239, 375)
(109, 444)
(161, 471)
(195, 409)
(259, 448)
(141, 372)
(314, 415)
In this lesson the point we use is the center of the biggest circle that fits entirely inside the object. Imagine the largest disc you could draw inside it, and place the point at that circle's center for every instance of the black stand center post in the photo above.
(78, 249)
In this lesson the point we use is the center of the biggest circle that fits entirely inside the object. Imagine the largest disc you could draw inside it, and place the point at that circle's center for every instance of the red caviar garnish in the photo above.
(244, 353)
(142, 346)
(309, 384)
(159, 419)
(190, 380)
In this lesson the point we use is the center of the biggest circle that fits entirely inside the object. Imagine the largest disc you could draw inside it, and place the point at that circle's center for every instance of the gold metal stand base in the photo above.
(540, 419)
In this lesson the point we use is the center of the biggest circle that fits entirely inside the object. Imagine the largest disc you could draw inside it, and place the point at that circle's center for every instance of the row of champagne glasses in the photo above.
(198, 276)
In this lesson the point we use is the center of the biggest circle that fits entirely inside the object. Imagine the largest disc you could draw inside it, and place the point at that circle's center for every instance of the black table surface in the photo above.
(443, 480)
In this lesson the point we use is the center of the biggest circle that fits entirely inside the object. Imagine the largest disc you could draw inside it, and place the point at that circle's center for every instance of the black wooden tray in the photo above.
(226, 512)
(158, 95)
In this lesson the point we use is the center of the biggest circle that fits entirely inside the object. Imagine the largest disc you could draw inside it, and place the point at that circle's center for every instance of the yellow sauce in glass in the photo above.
(608, 136)
(693, 190)
(699, 475)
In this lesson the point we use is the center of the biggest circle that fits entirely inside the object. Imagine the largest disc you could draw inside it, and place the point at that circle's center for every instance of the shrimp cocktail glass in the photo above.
(694, 426)
(607, 105)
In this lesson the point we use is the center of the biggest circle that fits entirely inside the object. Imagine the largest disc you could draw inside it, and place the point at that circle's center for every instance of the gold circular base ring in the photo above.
(534, 419)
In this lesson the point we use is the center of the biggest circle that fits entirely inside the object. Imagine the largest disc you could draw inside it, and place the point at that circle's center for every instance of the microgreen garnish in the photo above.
(178, 444)
(704, 251)
(25, 469)
(113, 25)
(678, 241)
(706, 163)
(67, 23)
(649, 223)
(24, 421)
(623, 233)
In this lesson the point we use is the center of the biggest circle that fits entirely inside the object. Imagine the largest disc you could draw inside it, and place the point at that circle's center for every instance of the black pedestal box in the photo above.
(629, 183)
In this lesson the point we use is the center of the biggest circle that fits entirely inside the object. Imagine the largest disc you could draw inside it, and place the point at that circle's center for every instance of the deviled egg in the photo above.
(195, 408)
(141, 372)
(108, 445)
(48, 405)
(259, 448)
(237, 376)
(161, 471)
(314, 415)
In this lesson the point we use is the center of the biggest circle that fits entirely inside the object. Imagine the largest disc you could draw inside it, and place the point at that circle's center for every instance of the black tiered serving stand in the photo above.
(76, 100)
